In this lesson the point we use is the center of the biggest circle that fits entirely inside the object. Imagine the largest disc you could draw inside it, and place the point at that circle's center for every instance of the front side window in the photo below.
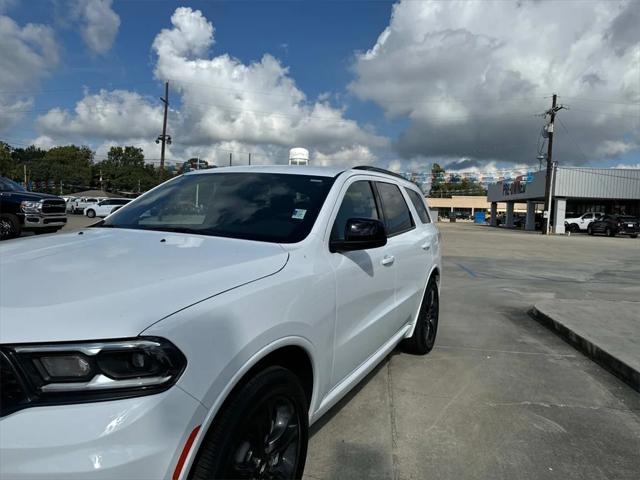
(266, 207)
(396, 212)
(588, 216)
(419, 205)
(358, 202)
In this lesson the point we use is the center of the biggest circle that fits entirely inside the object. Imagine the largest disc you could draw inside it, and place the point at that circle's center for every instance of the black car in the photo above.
(612, 225)
(28, 211)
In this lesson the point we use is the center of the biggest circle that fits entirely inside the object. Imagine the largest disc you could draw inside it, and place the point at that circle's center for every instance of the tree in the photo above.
(125, 170)
(7, 165)
(70, 165)
(456, 184)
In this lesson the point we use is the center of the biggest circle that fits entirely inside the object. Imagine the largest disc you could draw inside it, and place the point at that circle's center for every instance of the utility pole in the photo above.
(249, 158)
(164, 138)
(24, 169)
(230, 158)
(548, 185)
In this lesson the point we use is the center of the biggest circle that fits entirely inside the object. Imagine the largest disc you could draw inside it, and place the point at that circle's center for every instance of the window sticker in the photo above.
(299, 213)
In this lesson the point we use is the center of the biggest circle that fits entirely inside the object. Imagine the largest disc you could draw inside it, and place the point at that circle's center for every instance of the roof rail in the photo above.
(371, 168)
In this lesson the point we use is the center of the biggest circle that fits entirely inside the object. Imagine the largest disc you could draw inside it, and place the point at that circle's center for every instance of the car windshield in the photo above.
(7, 185)
(254, 206)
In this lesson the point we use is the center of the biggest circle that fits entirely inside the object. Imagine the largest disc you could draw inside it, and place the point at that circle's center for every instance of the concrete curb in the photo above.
(620, 369)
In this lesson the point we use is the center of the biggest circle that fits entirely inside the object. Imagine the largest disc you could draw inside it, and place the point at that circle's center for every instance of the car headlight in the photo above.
(80, 372)
(31, 207)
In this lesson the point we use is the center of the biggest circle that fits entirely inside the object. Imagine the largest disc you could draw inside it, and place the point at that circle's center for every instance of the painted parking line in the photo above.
(468, 270)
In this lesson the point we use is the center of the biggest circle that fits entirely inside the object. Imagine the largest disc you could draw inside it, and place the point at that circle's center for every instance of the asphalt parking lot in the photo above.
(500, 396)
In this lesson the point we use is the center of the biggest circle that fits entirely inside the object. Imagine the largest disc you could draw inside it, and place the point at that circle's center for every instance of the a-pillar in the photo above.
(494, 214)
(560, 208)
(509, 219)
(530, 222)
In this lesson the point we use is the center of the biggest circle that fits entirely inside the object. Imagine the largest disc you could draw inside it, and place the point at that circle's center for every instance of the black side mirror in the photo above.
(360, 234)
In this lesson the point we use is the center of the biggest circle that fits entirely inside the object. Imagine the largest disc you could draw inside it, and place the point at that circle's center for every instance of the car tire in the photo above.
(9, 226)
(91, 213)
(247, 438)
(590, 230)
(635, 235)
(424, 334)
(574, 228)
(609, 233)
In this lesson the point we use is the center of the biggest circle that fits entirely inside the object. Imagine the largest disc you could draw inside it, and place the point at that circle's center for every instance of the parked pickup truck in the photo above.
(576, 224)
(28, 211)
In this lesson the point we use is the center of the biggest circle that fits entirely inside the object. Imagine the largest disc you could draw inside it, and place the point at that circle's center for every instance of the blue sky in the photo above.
(366, 82)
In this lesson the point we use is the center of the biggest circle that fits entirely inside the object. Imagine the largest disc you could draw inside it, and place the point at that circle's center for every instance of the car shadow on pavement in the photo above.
(333, 411)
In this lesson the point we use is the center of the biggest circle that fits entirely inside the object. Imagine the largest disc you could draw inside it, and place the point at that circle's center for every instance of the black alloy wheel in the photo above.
(267, 445)
(9, 227)
(424, 334)
(261, 432)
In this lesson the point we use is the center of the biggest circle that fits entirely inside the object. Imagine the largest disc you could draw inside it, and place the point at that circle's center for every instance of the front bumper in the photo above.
(34, 220)
(135, 438)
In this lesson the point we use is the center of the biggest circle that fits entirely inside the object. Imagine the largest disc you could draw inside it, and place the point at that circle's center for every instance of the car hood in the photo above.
(32, 196)
(110, 283)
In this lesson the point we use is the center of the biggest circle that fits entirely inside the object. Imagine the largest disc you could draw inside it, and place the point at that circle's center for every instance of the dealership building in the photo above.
(574, 190)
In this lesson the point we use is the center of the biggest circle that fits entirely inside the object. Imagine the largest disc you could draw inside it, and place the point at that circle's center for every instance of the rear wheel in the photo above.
(424, 334)
(590, 230)
(9, 226)
(608, 232)
(261, 432)
(635, 235)
(91, 213)
(573, 228)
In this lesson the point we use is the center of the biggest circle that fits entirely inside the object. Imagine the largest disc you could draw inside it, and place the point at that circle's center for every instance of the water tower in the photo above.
(298, 156)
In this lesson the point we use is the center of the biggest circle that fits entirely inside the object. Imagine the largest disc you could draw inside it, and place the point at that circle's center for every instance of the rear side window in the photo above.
(358, 202)
(418, 203)
(397, 217)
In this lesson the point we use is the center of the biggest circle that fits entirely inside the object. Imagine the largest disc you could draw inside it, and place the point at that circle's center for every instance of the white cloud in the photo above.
(27, 54)
(223, 104)
(470, 75)
(99, 24)
(116, 114)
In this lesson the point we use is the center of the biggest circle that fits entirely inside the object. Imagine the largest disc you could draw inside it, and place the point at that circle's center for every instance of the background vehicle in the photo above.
(28, 211)
(206, 359)
(612, 225)
(105, 207)
(79, 204)
(575, 224)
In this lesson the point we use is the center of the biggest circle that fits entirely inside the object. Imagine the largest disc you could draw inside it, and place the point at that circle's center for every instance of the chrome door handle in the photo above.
(388, 260)
(425, 246)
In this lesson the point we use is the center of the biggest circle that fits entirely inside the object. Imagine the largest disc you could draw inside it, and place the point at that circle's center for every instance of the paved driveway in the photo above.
(500, 396)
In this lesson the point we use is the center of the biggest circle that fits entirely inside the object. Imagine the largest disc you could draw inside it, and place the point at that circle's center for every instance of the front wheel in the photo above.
(590, 230)
(9, 226)
(634, 235)
(608, 232)
(91, 213)
(424, 334)
(261, 432)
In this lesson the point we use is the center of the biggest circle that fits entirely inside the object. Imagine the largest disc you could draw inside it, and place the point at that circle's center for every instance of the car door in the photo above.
(600, 225)
(365, 284)
(409, 244)
(585, 220)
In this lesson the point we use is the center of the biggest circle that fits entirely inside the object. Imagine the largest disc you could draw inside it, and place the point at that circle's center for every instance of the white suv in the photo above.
(105, 207)
(236, 307)
(576, 224)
